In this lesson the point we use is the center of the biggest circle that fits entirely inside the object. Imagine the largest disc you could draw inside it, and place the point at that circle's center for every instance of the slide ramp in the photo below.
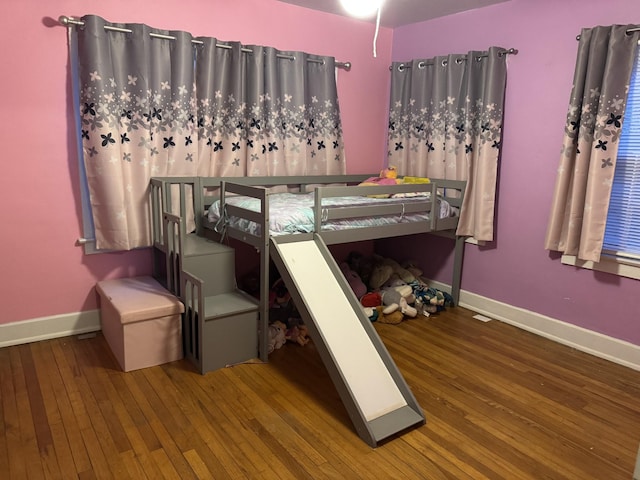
(378, 400)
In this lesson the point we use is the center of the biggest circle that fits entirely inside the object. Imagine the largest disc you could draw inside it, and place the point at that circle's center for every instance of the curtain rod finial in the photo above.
(64, 20)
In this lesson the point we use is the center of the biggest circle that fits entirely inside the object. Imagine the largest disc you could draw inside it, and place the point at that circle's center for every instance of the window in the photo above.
(622, 235)
(621, 248)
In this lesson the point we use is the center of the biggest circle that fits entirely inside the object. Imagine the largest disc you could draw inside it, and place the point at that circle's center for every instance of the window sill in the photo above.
(623, 267)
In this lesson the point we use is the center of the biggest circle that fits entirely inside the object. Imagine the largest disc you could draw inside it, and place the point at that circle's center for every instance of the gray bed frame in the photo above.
(221, 324)
(173, 199)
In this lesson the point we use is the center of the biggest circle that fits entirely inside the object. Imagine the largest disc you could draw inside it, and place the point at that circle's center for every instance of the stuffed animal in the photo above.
(361, 264)
(277, 336)
(425, 309)
(298, 334)
(371, 313)
(382, 314)
(430, 297)
(281, 305)
(406, 275)
(380, 273)
(279, 296)
(413, 269)
(355, 282)
(387, 176)
(392, 296)
(371, 299)
(392, 318)
(384, 269)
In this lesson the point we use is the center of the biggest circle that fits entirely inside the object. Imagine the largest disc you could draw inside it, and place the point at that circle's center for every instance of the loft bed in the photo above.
(220, 323)
(241, 208)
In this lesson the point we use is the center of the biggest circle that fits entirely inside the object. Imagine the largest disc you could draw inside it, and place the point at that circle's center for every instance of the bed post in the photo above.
(263, 319)
(457, 268)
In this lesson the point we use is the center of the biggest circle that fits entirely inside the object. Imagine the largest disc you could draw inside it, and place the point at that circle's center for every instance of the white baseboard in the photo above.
(609, 348)
(45, 328)
(594, 343)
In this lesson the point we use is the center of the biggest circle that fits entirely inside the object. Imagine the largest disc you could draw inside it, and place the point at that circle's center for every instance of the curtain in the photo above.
(265, 112)
(446, 122)
(153, 106)
(594, 122)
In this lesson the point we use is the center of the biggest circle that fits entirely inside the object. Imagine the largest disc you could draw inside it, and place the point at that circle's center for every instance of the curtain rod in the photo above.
(628, 32)
(459, 60)
(69, 21)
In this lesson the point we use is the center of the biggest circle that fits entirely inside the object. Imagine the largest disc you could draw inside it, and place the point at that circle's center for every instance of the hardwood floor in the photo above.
(500, 403)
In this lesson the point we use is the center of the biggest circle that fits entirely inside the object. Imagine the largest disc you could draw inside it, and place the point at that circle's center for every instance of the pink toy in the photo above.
(356, 283)
(298, 334)
(388, 176)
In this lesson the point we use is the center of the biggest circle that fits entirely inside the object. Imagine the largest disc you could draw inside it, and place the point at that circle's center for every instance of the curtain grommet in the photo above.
(401, 67)
(459, 60)
(445, 63)
(422, 65)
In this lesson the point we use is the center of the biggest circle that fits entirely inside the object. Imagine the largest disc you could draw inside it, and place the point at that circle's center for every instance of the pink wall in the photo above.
(44, 272)
(517, 270)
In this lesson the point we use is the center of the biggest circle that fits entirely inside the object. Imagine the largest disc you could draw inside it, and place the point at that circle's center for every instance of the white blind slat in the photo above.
(622, 234)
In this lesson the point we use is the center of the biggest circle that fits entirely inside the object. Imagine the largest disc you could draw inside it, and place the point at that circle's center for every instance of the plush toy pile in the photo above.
(392, 292)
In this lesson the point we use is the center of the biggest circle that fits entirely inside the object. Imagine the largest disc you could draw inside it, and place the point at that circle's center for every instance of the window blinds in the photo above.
(622, 234)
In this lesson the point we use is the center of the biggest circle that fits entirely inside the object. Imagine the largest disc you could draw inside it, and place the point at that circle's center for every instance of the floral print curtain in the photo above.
(446, 122)
(163, 103)
(266, 112)
(589, 149)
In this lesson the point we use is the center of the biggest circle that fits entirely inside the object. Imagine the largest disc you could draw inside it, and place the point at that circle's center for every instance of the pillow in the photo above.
(416, 180)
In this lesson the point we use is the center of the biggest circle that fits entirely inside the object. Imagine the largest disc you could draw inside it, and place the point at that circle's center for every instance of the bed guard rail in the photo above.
(173, 236)
(173, 195)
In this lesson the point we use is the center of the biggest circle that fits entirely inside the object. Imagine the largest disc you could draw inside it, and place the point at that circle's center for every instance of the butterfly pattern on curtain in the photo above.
(445, 121)
(162, 107)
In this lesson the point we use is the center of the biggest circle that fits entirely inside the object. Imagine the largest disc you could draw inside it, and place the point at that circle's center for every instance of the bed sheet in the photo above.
(293, 212)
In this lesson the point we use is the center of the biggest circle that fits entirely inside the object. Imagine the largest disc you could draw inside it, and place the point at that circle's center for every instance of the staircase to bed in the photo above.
(220, 323)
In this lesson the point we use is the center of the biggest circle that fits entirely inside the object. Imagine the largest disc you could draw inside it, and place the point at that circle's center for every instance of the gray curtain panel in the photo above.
(445, 121)
(153, 106)
(594, 122)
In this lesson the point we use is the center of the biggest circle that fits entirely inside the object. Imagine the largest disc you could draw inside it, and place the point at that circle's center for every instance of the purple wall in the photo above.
(516, 269)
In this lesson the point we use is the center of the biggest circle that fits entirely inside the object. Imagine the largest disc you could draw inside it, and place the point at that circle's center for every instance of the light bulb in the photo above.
(361, 8)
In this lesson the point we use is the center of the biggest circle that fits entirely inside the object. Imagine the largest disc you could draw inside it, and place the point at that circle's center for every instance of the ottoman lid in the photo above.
(139, 298)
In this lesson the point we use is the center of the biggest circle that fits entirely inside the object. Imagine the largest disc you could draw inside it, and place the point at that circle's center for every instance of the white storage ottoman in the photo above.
(141, 322)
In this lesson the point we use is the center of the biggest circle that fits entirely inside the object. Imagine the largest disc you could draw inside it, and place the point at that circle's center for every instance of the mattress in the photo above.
(293, 212)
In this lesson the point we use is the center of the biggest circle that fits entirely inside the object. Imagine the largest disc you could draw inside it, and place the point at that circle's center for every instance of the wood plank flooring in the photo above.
(500, 403)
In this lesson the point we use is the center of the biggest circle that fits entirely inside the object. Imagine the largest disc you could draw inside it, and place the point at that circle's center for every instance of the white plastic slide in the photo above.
(377, 398)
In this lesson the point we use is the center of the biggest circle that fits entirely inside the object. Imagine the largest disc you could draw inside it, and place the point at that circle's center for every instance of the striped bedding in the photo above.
(293, 212)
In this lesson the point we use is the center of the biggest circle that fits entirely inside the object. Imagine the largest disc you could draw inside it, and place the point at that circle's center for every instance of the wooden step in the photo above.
(229, 304)
(226, 334)
(212, 262)
(195, 245)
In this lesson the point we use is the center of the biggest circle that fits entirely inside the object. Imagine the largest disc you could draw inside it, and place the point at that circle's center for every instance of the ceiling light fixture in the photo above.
(365, 9)
(361, 8)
